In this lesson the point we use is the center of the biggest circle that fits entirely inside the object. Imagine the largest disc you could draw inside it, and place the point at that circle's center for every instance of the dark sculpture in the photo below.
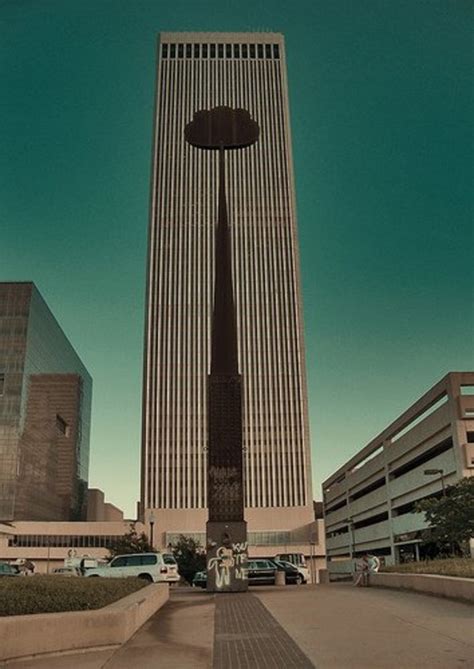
(223, 128)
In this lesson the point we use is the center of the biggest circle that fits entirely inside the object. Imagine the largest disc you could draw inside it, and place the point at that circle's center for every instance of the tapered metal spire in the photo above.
(224, 129)
(221, 129)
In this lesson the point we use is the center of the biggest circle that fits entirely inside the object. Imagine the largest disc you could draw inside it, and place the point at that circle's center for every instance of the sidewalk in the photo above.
(341, 627)
(178, 636)
(327, 626)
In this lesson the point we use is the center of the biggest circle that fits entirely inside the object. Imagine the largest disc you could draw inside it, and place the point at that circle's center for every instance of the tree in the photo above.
(131, 542)
(451, 517)
(190, 557)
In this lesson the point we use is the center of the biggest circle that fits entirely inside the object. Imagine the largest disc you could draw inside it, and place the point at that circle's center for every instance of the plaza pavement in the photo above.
(332, 626)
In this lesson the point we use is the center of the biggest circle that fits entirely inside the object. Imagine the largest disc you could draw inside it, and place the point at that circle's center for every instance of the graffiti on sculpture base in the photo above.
(230, 560)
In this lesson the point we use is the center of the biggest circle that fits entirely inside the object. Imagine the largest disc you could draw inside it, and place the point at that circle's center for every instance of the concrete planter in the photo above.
(431, 584)
(54, 632)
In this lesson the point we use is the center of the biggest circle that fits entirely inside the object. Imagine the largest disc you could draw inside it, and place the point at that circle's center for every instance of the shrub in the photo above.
(450, 517)
(190, 557)
(48, 594)
(462, 567)
(131, 542)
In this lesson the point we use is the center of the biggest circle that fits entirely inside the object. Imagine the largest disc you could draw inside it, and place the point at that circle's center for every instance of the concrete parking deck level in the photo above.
(332, 626)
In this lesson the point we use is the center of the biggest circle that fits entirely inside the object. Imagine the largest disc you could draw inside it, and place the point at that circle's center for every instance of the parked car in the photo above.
(8, 570)
(66, 571)
(262, 572)
(23, 566)
(152, 567)
(200, 579)
(292, 573)
(297, 559)
(303, 571)
(82, 562)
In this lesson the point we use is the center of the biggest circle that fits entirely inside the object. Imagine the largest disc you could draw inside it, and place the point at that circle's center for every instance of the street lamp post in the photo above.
(350, 524)
(433, 472)
(312, 555)
(151, 520)
(48, 543)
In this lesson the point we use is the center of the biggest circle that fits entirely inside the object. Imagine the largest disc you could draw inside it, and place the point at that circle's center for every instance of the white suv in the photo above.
(153, 567)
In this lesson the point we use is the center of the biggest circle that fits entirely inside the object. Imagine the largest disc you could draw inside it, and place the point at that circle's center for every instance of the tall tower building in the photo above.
(198, 71)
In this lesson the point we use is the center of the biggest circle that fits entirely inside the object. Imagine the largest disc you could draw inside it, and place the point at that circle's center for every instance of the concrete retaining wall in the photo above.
(442, 586)
(21, 636)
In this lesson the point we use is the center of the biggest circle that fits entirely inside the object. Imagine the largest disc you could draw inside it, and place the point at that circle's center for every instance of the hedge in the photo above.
(22, 595)
(461, 567)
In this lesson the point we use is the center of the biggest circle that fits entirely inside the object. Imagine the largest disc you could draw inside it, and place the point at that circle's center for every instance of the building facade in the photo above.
(53, 544)
(45, 405)
(198, 71)
(369, 502)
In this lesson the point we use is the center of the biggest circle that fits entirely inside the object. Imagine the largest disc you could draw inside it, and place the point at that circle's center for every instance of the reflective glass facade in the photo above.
(45, 405)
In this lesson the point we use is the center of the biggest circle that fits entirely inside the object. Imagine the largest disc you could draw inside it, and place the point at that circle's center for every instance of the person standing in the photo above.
(374, 564)
(362, 573)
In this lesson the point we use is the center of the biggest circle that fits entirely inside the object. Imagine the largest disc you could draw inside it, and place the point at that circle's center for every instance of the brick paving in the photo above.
(247, 636)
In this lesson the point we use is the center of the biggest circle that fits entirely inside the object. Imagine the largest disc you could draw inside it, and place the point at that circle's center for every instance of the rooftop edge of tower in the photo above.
(223, 38)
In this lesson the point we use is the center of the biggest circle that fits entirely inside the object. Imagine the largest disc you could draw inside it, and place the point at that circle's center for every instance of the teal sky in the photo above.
(381, 108)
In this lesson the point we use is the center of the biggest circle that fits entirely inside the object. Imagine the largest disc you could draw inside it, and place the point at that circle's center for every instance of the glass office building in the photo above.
(45, 406)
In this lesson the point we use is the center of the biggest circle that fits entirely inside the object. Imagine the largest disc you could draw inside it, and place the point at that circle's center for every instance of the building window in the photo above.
(268, 51)
(373, 520)
(428, 455)
(252, 51)
(188, 51)
(213, 51)
(62, 425)
(164, 51)
(180, 50)
(196, 51)
(276, 51)
(204, 50)
(220, 50)
(236, 51)
(2, 383)
(244, 51)
(337, 506)
(228, 50)
(172, 50)
(260, 50)
(368, 489)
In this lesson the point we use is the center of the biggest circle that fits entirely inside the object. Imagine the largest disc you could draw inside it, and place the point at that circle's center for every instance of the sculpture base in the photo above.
(227, 555)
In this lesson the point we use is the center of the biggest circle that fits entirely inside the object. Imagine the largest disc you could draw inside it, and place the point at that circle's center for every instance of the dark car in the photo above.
(200, 579)
(262, 572)
(8, 570)
(292, 574)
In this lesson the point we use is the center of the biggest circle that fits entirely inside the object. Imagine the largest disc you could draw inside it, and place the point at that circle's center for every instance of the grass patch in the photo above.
(462, 567)
(49, 594)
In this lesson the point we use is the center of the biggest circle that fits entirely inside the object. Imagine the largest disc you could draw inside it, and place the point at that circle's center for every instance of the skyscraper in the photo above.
(198, 71)
(45, 406)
